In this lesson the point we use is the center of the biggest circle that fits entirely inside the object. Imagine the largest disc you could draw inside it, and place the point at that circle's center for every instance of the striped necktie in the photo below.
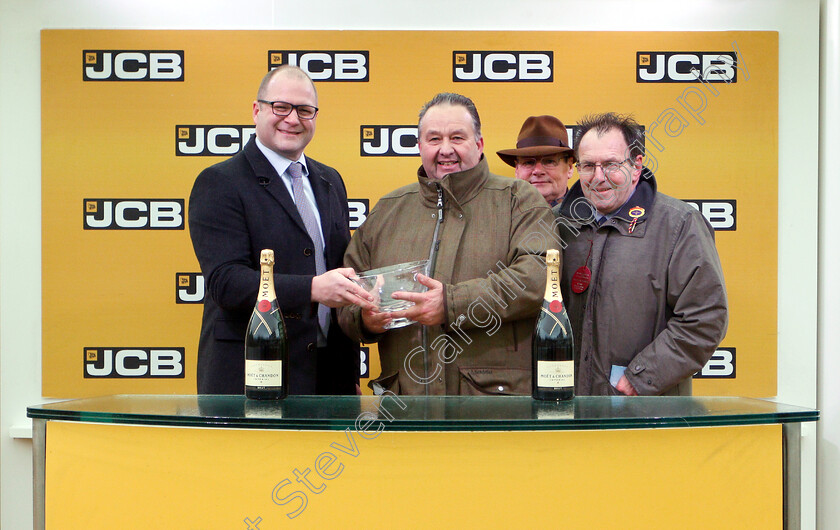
(305, 209)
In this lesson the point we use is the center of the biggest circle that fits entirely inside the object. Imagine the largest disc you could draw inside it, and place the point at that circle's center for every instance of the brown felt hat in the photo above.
(539, 136)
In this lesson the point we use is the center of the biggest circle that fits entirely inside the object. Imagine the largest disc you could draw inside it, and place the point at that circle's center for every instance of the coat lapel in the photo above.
(322, 190)
(265, 172)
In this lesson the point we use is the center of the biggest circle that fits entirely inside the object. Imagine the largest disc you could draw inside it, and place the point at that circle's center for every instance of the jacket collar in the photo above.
(463, 186)
(259, 163)
(269, 180)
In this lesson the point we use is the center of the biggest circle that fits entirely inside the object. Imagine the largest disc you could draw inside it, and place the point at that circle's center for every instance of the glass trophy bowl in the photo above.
(383, 282)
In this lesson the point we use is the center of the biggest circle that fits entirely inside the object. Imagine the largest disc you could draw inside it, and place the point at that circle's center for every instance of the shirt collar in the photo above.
(279, 162)
(607, 216)
(558, 200)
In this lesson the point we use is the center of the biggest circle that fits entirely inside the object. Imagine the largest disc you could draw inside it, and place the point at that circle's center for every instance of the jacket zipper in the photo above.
(433, 251)
(430, 270)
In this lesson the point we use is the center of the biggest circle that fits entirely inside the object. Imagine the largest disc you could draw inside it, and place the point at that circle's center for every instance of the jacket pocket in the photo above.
(494, 381)
(383, 383)
(224, 329)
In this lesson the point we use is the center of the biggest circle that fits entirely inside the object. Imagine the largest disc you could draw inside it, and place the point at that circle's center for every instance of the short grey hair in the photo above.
(449, 98)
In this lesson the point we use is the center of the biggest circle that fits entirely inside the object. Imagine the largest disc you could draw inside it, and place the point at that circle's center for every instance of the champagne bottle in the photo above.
(552, 346)
(266, 343)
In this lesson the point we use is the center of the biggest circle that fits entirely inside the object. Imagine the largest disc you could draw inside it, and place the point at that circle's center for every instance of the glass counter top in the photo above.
(419, 413)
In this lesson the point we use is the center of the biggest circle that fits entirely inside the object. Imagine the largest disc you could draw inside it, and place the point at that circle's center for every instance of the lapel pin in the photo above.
(635, 212)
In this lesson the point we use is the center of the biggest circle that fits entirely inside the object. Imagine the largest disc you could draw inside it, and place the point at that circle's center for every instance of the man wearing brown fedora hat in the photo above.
(542, 156)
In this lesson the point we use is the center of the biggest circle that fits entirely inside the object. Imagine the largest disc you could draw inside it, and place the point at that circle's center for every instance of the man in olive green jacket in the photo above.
(485, 237)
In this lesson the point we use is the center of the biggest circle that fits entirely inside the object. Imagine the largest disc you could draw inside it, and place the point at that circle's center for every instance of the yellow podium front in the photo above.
(449, 462)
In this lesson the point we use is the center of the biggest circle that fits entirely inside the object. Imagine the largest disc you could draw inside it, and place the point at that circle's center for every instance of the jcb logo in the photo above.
(211, 140)
(389, 140)
(490, 66)
(721, 214)
(720, 366)
(189, 288)
(133, 65)
(364, 361)
(152, 363)
(325, 65)
(359, 209)
(571, 131)
(686, 67)
(133, 214)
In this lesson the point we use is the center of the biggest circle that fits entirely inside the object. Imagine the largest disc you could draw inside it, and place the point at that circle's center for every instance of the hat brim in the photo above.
(508, 156)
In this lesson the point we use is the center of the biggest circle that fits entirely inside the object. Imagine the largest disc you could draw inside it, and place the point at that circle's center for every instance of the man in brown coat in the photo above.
(485, 237)
(642, 280)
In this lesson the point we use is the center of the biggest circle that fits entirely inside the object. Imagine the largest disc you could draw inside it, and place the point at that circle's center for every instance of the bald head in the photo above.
(286, 71)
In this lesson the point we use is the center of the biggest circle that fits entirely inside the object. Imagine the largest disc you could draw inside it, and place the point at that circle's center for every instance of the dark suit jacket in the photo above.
(237, 208)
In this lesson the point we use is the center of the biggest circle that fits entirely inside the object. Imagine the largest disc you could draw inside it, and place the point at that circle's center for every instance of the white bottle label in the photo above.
(263, 373)
(555, 374)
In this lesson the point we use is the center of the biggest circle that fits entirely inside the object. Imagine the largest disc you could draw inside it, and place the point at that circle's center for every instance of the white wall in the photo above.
(796, 20)
(828, 429)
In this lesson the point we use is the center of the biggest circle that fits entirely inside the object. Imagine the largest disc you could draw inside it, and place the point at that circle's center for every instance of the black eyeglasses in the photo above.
(283, 109)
